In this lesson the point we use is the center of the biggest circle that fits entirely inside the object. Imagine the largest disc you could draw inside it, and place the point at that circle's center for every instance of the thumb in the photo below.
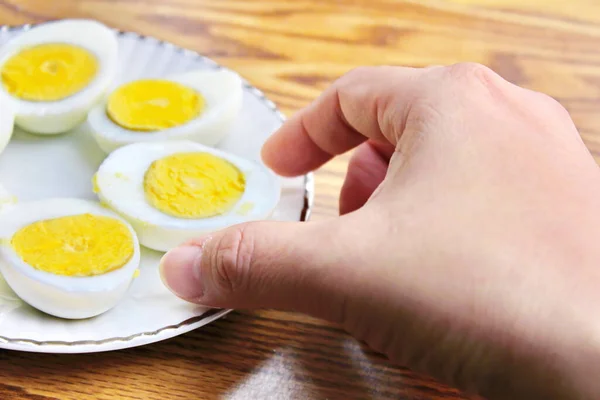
(266, 264)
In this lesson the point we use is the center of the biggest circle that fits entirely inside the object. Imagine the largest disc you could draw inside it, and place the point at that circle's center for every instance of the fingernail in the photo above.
(180, 272)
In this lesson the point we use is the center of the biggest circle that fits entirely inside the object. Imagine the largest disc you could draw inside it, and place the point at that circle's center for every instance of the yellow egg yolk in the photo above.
(193, 185)
(153, 105)
(76, 245)
(49, 72)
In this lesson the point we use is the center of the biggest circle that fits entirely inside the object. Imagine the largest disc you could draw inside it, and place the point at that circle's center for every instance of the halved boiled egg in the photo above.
(200, 106)
(7, 123)
(67, 257)
(173, 191)
(54, 73)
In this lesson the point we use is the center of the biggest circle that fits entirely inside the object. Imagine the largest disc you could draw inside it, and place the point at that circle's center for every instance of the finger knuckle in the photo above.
(355, 75)
(360, 72)
(551, 105)
(472, 73)
(231, 260)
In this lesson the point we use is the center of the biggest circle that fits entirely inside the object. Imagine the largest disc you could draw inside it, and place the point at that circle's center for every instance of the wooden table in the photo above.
(293, 50)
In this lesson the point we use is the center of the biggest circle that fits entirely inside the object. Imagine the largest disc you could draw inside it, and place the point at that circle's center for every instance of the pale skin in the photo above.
(467, 245)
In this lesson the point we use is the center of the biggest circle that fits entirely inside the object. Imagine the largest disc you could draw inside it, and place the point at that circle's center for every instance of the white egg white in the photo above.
(53, 117)
(120, 185)
(7, 200)
(7, 123)
(59, 295)
(223, 93)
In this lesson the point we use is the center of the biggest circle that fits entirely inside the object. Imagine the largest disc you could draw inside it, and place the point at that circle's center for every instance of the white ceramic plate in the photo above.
(34, 167)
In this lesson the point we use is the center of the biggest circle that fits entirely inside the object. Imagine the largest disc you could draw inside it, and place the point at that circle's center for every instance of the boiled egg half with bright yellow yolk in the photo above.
(173, 191)
(200, 106)
(54, 73)
(67, 257)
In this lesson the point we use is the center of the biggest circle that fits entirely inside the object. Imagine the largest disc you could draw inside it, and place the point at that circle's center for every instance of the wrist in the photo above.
(562, 351)
(581, 360)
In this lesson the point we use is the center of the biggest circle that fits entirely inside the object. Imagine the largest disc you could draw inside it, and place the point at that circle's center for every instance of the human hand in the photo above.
(467, 246)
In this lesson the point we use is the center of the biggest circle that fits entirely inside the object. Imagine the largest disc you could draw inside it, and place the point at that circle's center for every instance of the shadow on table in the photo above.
(246, 355)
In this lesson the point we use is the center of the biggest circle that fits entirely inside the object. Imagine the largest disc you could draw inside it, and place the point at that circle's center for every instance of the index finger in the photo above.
(367, 103)
(374, 103)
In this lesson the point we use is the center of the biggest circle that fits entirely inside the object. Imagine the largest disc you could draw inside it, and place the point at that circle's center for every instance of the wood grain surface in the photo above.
(292, 50)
